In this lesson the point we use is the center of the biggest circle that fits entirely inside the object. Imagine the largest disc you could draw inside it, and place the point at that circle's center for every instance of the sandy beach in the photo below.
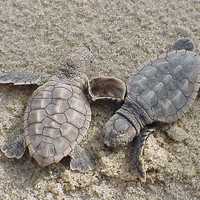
(37, 35)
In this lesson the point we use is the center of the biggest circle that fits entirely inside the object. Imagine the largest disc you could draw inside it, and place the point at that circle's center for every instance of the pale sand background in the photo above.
(122, 34)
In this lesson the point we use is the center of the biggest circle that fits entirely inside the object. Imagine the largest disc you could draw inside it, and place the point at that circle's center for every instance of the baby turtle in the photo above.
(58, 113)
(162, 91)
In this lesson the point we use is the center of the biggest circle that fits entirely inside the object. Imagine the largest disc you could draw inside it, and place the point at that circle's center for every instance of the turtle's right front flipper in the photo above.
(22, 78)
(137, 153)
(14, 147)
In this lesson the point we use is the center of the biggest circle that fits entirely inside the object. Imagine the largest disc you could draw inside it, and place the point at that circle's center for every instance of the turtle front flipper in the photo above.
(137, 153)
(23, 78)
(81, 160)
(107, 88)
(14, 147)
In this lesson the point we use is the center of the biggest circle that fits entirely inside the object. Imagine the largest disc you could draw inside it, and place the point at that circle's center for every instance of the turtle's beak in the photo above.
(107, 143)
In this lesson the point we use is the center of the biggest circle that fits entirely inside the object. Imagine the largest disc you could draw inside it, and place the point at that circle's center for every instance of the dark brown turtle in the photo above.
(58, 113)
(161, 91)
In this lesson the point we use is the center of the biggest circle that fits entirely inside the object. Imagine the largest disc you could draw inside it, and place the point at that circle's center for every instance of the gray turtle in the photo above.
(162, 91)
(58, 113)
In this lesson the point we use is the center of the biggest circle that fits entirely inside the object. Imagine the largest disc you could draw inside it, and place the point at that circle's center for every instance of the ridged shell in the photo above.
(57, 117)
(166, 87)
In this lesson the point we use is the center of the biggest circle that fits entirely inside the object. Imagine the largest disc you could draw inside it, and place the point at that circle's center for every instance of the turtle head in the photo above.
(118, 131)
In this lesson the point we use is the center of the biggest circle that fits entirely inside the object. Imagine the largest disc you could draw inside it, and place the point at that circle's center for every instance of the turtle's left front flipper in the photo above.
(23, 78)
(107, 88)
(137, 153)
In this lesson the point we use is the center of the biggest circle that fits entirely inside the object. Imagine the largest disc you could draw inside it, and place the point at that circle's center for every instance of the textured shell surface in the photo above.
(166, 87)
(56, 119)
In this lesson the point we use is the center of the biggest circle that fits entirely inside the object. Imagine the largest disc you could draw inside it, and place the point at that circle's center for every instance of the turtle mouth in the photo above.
(107, 144)
(110, 144)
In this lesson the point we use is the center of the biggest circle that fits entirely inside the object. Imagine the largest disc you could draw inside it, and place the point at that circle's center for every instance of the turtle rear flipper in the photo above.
(22, 78)
(14, 147)
(107, 88)
(81, 160)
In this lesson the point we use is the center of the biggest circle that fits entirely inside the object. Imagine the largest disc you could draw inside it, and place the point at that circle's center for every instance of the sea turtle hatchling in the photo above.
(161, 91)
(58, 113)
